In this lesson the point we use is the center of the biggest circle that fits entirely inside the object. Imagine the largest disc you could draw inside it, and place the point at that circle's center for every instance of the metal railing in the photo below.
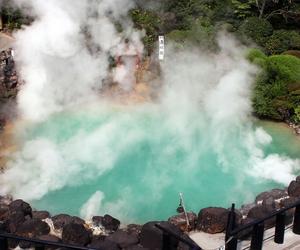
(258, 227)
(38, 244)
(168, 235)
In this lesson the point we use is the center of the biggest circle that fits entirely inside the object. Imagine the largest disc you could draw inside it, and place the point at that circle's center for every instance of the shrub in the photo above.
(258, 30)
(282, 40)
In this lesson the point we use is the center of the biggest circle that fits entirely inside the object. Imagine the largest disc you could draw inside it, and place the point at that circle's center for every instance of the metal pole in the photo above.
(231, 244)
(3, 243)
(257, 237)
(184, 210)
(280, 228)
(296, 225)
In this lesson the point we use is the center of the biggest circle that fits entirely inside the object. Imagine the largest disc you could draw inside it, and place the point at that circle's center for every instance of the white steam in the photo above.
(63, 55)
(204, 108)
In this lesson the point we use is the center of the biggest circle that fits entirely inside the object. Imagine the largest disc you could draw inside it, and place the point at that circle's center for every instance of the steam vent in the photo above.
(149, 125)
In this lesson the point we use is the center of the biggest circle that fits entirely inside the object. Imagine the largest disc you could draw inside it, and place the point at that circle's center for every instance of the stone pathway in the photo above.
(216, 241)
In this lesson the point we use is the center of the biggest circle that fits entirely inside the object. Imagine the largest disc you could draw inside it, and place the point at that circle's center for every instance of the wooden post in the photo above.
(279, 229)
(296, 225)
(257, 237)
(3, 243)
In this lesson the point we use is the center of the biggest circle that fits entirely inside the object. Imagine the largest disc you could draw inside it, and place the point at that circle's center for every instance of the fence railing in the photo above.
(168, 235)
(258, 227)
(38, 244)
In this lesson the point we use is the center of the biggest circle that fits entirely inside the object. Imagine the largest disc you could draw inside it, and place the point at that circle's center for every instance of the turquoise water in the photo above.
(141, 158)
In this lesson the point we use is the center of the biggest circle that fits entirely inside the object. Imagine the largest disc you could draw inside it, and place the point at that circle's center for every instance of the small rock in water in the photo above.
(110, 223)
(180, 221)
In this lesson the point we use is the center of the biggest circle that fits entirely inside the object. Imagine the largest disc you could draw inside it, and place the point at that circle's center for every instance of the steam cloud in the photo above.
(205, 97)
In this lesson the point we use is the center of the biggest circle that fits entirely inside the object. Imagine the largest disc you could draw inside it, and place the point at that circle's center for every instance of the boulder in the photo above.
(76, 234)
(260, 212)
(104, 245)
(50, 238)
(97, 220)
(110, 223)
(20, 206)
(152, 238)
(123, 239)
(60, 220)
(212, 220)
(4, 212)
(14, 221)
(289, 213)
(180, 221)
(40, 215)
(134, 229)
(33, 228)
(274, 193)
(294, 189)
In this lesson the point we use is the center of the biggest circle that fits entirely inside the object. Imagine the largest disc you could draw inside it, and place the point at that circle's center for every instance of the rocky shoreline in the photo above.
(106, 232)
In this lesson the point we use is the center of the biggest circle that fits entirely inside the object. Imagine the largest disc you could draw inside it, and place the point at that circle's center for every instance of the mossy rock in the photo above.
(293, 86)
(295, 53)
(296, 92)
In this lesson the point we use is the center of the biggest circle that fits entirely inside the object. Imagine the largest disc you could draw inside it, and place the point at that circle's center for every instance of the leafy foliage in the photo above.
(277, 92)
(257, 29)
(282, 40)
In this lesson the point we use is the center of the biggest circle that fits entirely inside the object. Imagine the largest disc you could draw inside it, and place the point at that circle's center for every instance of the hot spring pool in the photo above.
(133, 162)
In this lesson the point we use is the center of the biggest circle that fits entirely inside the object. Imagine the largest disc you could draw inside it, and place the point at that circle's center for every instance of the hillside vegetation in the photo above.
(269, 26)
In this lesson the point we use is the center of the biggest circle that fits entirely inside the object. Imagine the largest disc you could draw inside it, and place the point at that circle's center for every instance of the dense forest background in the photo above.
(269, 27)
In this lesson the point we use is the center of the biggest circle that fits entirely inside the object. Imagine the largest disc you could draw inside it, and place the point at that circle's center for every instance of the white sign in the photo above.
(161, 50)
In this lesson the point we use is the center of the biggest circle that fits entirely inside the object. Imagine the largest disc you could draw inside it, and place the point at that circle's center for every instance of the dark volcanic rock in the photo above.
(274, 193)
(180, 221)
(33, 228)
(294, 189)
(245, 234)
(260, 212)
(76, 234)
(152, 237)
(104, 245)
(20, 206)
(134, 229)
(212, 220)
(4, 212)
(123, 239)
(97, 220)
(136, 247)
(40, 215)
(110, 223)
(289, 213)
(14, 221)
(60, 220)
